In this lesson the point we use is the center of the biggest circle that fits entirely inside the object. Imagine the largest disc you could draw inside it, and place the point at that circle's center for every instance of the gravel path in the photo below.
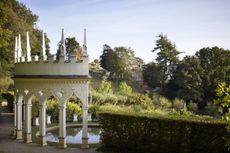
(9, 145)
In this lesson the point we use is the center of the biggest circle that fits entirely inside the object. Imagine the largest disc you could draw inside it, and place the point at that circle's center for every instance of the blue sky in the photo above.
(191, 24)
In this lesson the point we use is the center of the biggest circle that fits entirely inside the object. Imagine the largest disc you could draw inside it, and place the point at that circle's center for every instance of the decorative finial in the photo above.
(85, 44)
(43, 52)
(62, 43)
(16, 50)
(19, 48)
(28, 49)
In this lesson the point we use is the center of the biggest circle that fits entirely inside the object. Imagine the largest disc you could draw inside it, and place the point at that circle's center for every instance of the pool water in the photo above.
(74, 135)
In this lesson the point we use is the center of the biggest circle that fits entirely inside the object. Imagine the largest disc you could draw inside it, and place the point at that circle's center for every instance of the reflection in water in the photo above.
(74, 135)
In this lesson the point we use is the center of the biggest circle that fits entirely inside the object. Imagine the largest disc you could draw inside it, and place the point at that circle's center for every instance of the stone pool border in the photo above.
(68, 126)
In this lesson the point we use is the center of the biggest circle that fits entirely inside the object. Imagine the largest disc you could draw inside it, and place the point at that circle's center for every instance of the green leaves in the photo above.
(72, 46)
(121, 62)
(223, 95)
(223, 99)
(105, 87)
(142, 133)
(16, 18)
(124, 89)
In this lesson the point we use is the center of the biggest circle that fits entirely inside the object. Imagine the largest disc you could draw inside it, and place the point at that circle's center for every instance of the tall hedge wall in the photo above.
(145, 134)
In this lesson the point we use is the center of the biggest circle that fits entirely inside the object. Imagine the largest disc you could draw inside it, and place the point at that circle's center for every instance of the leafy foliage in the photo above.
(124, 89)
(135, 132)
(16, 18)
(121, 62)
(178, 104)
(152, 75)
(216, 65)
(188, 79)
(223, 99)
(105, 87)
(72, 108)
(72, 46)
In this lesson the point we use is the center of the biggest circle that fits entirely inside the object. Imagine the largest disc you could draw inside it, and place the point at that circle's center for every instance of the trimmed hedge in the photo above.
(155, 134)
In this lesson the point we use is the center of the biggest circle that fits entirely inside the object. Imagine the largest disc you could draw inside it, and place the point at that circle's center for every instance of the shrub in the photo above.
(121, 99)
(122, 132)
(76, 100)
(52, 109)
(223, 100)
(178, 104)
(94, 110)
(35, 107)
(10, 100)
(112, 108)
(110, 99)
(97, 98)
(212, 110)
(139, 99)
(192, 107)
(124, 89)
(136, 108)
(72, 108)
(162, 103)
(105, 87)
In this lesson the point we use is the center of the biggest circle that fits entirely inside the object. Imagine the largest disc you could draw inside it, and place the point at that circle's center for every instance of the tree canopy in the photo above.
(167, 58)
(16, 18)
(121, 62)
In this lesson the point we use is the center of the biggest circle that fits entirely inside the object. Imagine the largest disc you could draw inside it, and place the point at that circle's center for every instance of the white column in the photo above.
(15, 116)
(19, 119)
(85, 128)
(42, 124)
(27, 137)
(23, 114)
(62, 126)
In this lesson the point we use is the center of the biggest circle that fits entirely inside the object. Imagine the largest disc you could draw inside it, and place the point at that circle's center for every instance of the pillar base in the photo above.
(62, 143)
(85, 143)
(14, 133)
(42, 140)
(19, 134)
(27, 138)
(24, 136)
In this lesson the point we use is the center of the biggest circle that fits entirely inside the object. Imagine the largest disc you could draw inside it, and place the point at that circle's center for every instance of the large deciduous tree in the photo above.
(216, 64)
(72, 46)
(108, 58)
(121, 62)
(16, 18)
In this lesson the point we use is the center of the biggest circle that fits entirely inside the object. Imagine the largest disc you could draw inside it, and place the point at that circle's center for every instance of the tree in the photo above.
(15, 18)
(72, 46)
(167, 58)
(121, 62)
(108, 58)
(216, 65)
(21, 19)
(187, 79)
(151, 74)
